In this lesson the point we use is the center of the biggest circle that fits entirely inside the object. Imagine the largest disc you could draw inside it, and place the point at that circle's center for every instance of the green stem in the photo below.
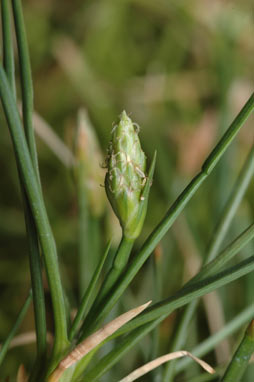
(119, 263)
(8, 56)
(39, 213)
(84, 242)
(26, 80)
(34, 252)
(240, 359)
(15, 327)
(86, 300)
(38, 292)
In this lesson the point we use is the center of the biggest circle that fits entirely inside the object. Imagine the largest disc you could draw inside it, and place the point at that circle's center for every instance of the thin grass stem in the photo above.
(36, 202)
(26, 80)
(34, 252)
(15, 327)
(87, 298)
(8, 55)
(241, 357)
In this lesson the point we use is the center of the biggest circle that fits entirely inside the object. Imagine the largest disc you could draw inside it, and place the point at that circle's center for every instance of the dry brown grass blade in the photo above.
(165, 358)
(21, 375)
(94, 340)
(27, 338)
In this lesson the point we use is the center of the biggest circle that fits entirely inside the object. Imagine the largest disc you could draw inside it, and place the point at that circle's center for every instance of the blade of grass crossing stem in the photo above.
(141, 327)
(187, 294)
(174, 212)
(87, 298)
(34, 253)
(8, 55)
(221, 147)
(240, 359)
(226, 255)
(39, 213)
(207, 345)
(226, 273)
(15, 327)
(222, 227)
(26, 80)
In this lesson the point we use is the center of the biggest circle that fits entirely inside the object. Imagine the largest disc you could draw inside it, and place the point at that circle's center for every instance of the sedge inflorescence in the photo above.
(126, 178)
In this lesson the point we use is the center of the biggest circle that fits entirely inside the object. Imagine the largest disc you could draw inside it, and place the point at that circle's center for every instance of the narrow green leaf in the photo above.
(26, 80)
(33, 245)
(239, 189)
(241, 357)
(8, 55)
(188, 293)
(21, 315)
(36, 202)
(229, 135)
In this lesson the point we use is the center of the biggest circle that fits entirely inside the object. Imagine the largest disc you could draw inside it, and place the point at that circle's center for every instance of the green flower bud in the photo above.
(125, 179)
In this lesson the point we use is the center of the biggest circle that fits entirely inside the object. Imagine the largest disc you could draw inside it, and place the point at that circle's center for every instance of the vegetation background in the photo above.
(182, 70)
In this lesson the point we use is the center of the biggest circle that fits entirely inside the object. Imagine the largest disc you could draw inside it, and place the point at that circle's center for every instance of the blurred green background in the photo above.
(182, 69)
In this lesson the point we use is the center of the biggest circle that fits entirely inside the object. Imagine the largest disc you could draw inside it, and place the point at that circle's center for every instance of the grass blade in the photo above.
(33, 245)
(36, 202)
(15, 327)
(187, 294)
(8, 55)
(240, 360)
(230, 251)
(26, 80)
(232, 204)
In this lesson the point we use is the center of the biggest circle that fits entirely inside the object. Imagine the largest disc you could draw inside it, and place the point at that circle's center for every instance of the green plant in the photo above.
(128, 186)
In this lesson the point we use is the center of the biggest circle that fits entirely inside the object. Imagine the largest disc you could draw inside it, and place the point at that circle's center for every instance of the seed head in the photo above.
(125, 178)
